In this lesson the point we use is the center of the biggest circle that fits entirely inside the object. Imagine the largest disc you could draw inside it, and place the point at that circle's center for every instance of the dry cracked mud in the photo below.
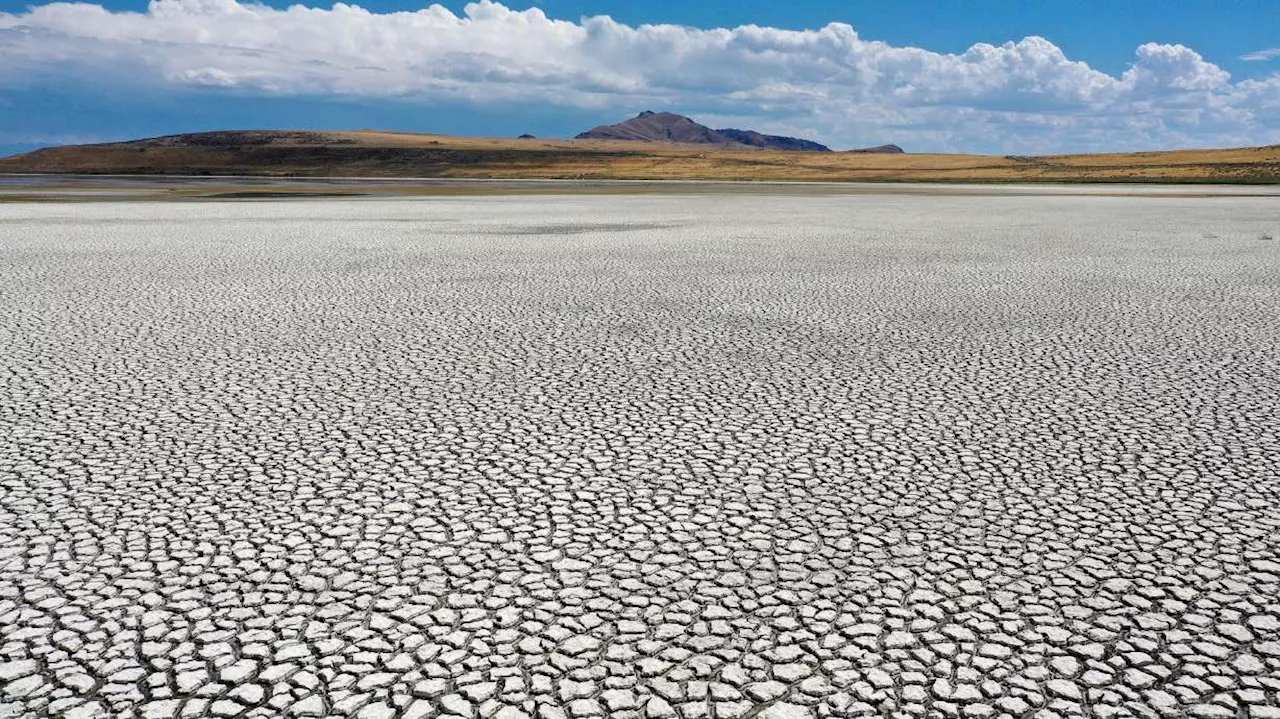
(722, 457)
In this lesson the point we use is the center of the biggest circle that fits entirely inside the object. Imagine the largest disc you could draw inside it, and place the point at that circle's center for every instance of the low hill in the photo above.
(390, 154)
(882, 149)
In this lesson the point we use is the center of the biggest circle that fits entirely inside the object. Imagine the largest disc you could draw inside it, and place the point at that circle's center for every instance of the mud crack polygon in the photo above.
(717, 457)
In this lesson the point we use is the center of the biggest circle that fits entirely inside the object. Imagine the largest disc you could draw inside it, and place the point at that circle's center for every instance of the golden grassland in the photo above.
(378, 154)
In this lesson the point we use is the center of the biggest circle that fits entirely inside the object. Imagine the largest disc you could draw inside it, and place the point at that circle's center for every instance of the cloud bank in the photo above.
(829, 83)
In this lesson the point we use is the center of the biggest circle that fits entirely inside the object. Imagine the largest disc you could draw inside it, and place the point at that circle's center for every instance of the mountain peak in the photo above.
(650, 126)
(653, 126)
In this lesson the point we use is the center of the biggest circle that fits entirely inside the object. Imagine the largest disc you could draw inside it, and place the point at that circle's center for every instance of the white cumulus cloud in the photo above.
(831, 83)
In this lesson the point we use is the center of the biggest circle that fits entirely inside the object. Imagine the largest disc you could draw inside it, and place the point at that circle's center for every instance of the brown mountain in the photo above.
(651, 126)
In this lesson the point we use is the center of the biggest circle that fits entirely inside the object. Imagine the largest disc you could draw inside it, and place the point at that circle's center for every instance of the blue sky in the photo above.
(981, 75)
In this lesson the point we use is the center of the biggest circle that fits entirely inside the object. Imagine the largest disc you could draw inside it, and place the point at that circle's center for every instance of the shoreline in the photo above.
(94, 187)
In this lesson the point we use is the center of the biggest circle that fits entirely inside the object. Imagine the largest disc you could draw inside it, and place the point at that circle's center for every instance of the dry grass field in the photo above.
(390, 154)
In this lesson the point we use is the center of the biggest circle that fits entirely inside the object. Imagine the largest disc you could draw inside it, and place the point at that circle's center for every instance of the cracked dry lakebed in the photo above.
(643, 456)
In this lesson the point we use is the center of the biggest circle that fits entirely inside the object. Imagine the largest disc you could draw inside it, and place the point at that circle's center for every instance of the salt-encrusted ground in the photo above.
(641, 456)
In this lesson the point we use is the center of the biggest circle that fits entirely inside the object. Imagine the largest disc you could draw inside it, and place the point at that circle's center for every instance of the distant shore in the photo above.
(391, 156)
(82, 188)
